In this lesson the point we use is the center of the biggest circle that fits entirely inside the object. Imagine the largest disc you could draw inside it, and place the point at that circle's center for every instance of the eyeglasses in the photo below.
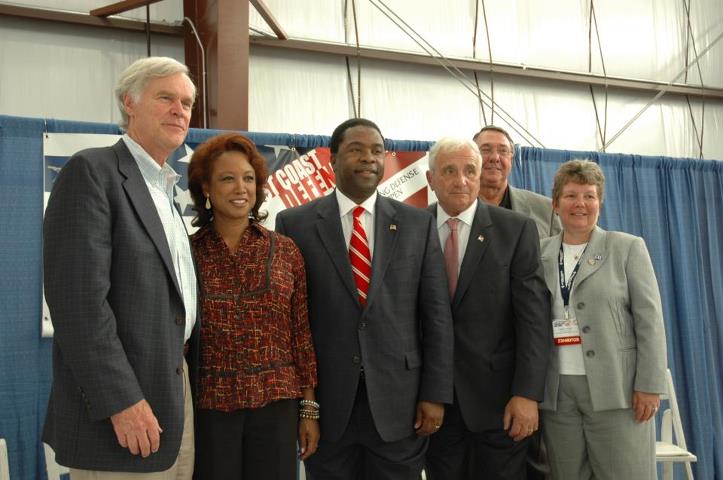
(502, 151)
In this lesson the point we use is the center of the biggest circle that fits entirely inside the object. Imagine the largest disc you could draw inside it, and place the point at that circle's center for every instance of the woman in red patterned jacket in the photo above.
(257, 357)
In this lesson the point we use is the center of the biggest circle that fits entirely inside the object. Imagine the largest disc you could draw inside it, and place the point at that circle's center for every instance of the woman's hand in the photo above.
(308, 437)
(645, 405)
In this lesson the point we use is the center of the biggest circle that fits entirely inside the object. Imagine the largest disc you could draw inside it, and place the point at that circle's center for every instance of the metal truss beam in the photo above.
(269, 18)
(120, 7)
(58, 16)
(537, 73)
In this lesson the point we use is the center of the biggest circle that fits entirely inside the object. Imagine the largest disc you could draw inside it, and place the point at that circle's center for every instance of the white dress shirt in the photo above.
(569, 356)
(346, 211)
(161, 183)
(464, 227)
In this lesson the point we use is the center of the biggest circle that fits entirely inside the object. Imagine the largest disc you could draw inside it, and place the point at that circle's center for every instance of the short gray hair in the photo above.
(134, 79)
(452, 144)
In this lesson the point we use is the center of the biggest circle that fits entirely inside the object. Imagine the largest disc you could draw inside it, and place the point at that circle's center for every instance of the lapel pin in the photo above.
(598, 257)
(481, 238)
(393, 227)
(591, 261)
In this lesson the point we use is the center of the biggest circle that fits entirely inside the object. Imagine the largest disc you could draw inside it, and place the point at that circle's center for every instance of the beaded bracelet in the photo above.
(309, 403)
(309, 414)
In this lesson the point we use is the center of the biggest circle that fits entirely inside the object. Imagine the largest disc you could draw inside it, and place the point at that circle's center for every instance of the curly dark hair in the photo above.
(199, 172)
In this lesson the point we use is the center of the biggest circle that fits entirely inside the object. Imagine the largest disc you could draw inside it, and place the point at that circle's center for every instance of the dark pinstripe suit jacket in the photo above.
(403, 336)
(117, 312)
(501, 310)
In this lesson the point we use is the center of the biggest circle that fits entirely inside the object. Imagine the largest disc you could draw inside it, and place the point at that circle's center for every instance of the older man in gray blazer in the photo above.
(121, 287)
(379, 314)
(498, 150)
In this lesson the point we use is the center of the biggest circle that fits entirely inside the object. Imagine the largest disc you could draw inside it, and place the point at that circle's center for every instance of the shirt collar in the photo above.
(164, 177)
(209, 230)
(506, 201)
(466, 217)
(346, 204)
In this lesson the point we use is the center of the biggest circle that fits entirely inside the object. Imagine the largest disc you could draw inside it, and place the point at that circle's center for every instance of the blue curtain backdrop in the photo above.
(675, 204)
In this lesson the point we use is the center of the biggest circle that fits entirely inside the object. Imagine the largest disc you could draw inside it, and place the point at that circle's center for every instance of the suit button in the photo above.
(179, 370)
(180, 319)
(362, 325)
(590, 353)
(356, 359)
(586, 329)
(581, 305)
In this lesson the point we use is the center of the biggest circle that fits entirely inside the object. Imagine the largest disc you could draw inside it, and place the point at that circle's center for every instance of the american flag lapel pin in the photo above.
(393, 227)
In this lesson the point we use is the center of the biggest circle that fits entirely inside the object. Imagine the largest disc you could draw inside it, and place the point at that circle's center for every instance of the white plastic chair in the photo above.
(54, 470)
(4, 463)
(671, 448)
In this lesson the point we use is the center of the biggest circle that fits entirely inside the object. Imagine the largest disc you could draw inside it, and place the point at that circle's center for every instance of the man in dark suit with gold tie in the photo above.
(379, 314)
(500, 306)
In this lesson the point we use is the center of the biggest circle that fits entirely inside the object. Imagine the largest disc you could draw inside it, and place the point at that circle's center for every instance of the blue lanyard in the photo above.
(566, 288)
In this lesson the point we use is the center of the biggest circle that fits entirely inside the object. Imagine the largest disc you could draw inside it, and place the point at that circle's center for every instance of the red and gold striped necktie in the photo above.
(360, 257)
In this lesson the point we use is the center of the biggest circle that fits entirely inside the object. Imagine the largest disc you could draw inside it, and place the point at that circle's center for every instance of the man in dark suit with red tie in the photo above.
(501, 312)
(379, 314)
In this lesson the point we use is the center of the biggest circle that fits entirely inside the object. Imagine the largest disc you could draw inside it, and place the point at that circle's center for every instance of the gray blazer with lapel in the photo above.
(617, 305)
(117, 312)
(403, 337)
(537, 207)
(502, 327)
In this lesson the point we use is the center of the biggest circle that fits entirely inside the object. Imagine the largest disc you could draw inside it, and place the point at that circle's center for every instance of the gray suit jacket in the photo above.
(502, 328)
(117, 311)
(403, 337)
(537, 207)
(618, 309)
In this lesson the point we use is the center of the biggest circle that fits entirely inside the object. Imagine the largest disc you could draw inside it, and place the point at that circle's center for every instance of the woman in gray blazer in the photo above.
(608, 363)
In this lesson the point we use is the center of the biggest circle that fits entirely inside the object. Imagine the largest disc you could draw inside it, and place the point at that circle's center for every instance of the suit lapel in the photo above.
(328, 226)
(550, 264)
(517, 206)
(480, 235)
(594, 257)
(139, 196)
(385, 241)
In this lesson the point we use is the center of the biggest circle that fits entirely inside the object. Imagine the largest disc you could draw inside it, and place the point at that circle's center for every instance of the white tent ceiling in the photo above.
(68, 71)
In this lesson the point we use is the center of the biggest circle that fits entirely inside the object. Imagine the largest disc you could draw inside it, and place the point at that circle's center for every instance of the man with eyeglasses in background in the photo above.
(498, 150)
